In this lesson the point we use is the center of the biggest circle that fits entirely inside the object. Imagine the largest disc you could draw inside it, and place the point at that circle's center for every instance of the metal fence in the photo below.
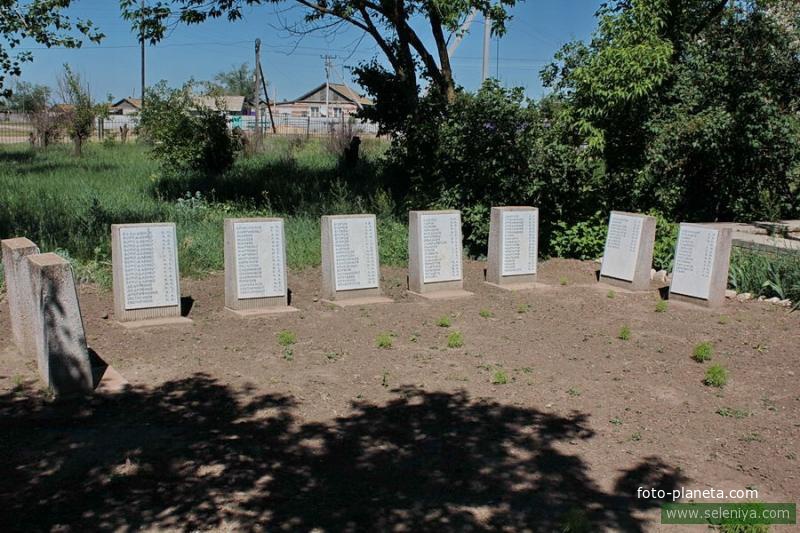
(21, 128)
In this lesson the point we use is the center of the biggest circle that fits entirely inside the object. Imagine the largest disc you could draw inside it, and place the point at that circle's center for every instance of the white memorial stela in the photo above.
(622, 246)
(440, 235)
(518, 243)
(149, 266)
(260, 268)
(355, 253)
(694, 261)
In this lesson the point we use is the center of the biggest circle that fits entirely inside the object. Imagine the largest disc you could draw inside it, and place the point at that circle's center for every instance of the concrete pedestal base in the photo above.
(366, 300)
(261, 311)
(529, 286)
(443, 295)
(157, 322)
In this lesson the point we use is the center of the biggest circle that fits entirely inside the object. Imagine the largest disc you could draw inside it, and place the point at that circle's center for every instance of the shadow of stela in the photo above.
(196, 454)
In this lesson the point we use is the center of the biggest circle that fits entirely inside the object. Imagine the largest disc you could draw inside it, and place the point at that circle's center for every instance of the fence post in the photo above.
(308, 127)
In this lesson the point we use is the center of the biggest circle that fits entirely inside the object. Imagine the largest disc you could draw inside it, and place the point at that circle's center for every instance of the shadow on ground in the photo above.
(195, 454)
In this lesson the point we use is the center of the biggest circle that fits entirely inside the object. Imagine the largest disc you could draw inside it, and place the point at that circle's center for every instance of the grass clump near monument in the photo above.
(611, 295)
(286, 337)
(523, 308)
(624, 333)
(716, 376)
(444, 321)
(455, 340)
(661, 306)
(703, 352)
(485, 313)
(727, 412)
(384, 340)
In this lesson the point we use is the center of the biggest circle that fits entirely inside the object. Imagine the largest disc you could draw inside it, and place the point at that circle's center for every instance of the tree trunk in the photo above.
(78, 145)
(448, 86)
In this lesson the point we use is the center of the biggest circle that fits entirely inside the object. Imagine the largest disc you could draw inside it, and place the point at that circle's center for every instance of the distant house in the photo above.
(231, 106)
(62, 108)
(342, 102)
(125, 106)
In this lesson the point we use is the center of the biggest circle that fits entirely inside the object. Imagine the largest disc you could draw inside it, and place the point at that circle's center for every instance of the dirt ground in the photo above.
(224, 429)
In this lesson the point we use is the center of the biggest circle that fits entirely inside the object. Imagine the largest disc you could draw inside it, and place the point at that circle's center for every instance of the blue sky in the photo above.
(293, 65)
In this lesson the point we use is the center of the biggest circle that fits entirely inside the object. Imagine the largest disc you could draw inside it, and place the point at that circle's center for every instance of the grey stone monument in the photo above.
(513, 248)
(350, 264)
(146, 277)
(628, 253)
(700, 271)
(435, 268)
(58, 336)
(18, 286)
(255, 267)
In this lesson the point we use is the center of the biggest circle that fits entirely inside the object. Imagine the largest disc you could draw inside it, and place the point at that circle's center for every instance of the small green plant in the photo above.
(723, 319)
(333, 356)
(500, 377)
(733, 413)
(716, 376)
(574, 392)
(636, 437)
(563, 281)
(385, 379)
(485, 313)
(617, 421)
(455, 340)
(444, 321)
(286, 337)
(384, 340)
(703, 352)
(288, 353)
(523, 308)
(661, 306)
(624, 333)
(743, 528)
(611, 295)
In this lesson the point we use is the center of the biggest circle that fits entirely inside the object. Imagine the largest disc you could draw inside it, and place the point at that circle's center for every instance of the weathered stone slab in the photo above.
(18, 289)
(145, 272)
(255, 267)
(513, 247)
(350, 261)
(702, 259)
(59, 340)
(435, 254)
(628, 253)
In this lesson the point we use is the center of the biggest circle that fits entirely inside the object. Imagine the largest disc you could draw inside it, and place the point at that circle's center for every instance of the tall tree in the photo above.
(80, 111)
(41, 21)
(27, 97)
(238, 81)
(396, 27)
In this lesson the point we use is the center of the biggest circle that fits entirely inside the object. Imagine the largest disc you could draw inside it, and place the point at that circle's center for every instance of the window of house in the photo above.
(315, 111)
(337, 112)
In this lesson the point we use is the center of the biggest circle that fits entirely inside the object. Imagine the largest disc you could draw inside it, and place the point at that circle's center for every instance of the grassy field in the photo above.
(67, 205)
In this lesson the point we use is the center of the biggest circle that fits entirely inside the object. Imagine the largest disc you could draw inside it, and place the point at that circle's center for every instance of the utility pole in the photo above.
(328, 67)
(256, 90)
(141, 44)
(487, 35)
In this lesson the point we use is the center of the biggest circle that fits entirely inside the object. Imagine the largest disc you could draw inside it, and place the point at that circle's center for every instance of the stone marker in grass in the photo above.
(513, 247)
(350, 265)
(255, 267)
(435, 268)
(700, 271)
(146, 278)
(628, 253)
(18, 288)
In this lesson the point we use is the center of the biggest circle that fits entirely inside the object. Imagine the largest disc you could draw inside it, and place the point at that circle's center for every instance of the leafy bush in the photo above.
(186, 137)
(716, 376)
(582, 240)
(766, 274)
(703, 352)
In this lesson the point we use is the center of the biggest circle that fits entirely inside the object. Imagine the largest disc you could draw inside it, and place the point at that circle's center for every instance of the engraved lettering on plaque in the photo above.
(260, 269)
(622, 246)
(694, 261)
(441, 247)
(355, 253)
(149, 266)
(518, 245)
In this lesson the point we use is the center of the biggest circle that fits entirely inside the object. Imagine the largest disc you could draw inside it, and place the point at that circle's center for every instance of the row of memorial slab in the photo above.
(46, 320)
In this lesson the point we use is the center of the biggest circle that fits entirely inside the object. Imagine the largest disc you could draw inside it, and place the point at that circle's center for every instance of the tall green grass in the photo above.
(67, 205)
(766, 274)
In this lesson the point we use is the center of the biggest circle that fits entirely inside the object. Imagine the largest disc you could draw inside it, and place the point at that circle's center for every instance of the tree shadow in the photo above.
(195, 454)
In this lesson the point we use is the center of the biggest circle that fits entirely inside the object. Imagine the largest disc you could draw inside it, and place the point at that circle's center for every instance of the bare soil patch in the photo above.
(542, 412)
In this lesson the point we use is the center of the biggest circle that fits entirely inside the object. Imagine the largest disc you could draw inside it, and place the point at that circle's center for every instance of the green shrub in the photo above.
(765, 274)
(444, 321)
(703, 352)
(500, 377)
(661, 306)
(455, 340)
(581, 240)
(484, 313)
(624, 333)
(384, 341)
(185, 136)
(716, 376)
(286, 337)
